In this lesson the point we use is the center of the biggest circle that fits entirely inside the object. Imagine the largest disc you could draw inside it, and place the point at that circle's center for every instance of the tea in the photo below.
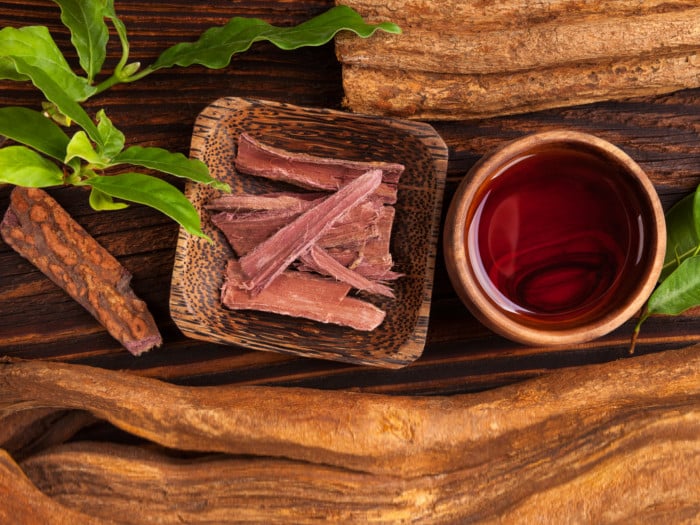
(553, 232)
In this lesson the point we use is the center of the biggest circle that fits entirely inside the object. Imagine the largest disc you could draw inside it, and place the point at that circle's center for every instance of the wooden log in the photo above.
(458, 48)
(40, 230)
(585, 409)
(24, 504)
(436, 96)
(629, 478)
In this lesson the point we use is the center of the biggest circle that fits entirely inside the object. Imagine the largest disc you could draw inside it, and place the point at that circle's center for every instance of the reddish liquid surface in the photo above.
(554, 232)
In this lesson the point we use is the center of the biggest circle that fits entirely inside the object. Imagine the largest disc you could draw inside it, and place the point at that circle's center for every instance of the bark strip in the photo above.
(503, 14)
(424, 95)
(459, 49)
(644, 475)
(23, 503)
(272, 257)
(320, 261)
(40, 230)
(574, 409)
(304, 295)
(245, 230)
(309, 171)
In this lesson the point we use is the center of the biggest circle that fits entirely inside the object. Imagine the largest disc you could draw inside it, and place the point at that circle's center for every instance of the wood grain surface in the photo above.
(37, 320)
(488, 431)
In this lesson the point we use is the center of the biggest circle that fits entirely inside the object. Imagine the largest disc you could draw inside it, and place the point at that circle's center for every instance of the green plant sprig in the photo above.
(679, 284)
(46, 155)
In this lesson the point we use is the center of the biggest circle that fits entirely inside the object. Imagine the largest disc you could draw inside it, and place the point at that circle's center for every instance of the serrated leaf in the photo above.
(81, 147)
(34, 46)
(217, 45)
(32, 128)
(167, 162)
(22, 166)
(112, 139)
(153, 192)
(55, 93)
(679, 291)
(100, 201)
(89, 32)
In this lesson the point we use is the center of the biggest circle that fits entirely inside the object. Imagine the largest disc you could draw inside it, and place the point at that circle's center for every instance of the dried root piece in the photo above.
(40, 230)
(611, 443)
(23, 503)
(25, 432)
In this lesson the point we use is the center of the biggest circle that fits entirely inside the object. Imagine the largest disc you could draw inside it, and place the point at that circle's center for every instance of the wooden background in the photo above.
(39, 321)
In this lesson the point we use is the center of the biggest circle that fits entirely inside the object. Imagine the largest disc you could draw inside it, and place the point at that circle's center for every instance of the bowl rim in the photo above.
(470, 291)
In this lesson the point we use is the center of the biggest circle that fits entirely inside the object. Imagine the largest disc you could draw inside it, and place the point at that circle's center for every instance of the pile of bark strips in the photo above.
(301, 253)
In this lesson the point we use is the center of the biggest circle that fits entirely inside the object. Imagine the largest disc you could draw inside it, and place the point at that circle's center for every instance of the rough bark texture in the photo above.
(128, 484)
(554, 57)
(40, 230)
(23, 433)
(24, 504)
(459, 49)
(500, 14)
(444, 96)
(608, 443)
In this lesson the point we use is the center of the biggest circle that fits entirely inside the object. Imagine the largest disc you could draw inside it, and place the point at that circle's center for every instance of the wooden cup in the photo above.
(469, 278)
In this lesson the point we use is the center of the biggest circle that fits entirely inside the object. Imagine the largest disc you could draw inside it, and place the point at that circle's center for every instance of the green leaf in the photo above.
(217, 45)
(34, 46)
(54, 92)
(112, 139)
(100, 201)
(120, 28)
(679, 291)
(22, 166)
(33, 129)
(172, 163)
(8, 70)
(81, 147)
(89, 33)
(153, 192)
(682, 232)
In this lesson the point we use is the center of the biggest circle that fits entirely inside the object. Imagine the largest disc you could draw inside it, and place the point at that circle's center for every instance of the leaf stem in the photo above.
(117, 78)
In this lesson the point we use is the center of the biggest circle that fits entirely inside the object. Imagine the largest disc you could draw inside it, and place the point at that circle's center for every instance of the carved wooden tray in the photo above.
(199, 266)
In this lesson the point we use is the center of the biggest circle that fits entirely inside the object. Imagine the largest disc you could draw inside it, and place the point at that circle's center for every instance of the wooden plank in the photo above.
(38, 321)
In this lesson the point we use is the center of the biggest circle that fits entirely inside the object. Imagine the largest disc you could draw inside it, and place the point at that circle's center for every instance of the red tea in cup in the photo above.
(559, 238)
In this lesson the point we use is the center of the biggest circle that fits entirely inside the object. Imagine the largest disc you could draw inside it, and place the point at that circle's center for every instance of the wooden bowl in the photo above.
(198, 272)
(555, 238)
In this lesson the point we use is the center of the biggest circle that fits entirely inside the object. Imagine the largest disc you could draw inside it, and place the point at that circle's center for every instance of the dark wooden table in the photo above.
(39, 321)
